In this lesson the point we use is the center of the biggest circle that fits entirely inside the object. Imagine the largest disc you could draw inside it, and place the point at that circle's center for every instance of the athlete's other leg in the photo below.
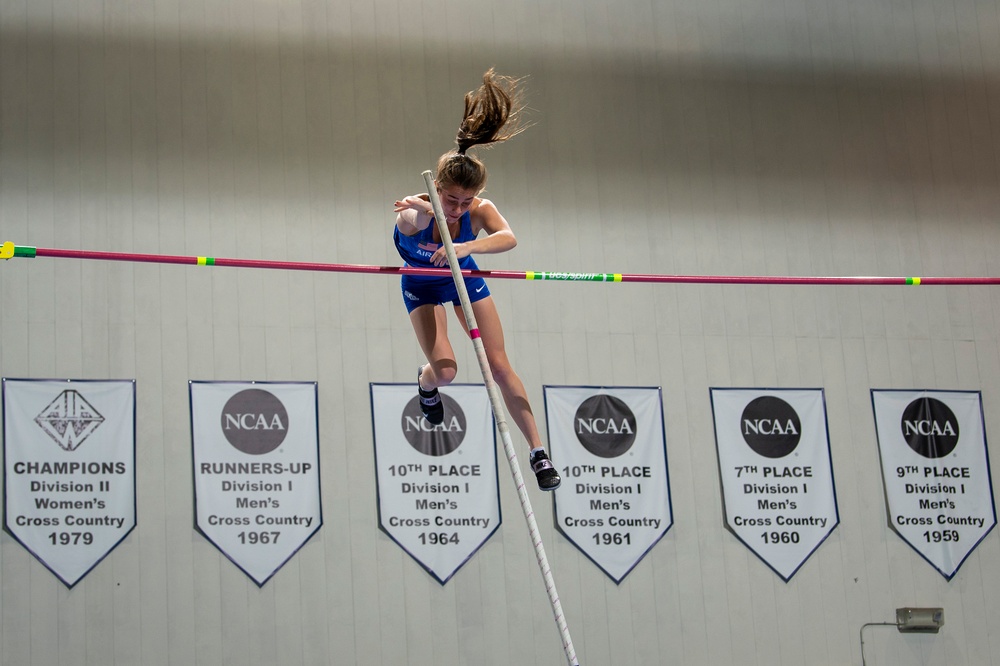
(514, 395)
(512, 389)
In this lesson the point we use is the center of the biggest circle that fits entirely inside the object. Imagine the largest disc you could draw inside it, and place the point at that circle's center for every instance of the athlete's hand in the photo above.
(440, 256)
(418, 202)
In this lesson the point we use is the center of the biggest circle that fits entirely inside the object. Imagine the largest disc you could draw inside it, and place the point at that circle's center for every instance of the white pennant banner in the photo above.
(69, 470)
(609, 445)
(936, 472)
(256, 470)
(438, 493)
(777, 477)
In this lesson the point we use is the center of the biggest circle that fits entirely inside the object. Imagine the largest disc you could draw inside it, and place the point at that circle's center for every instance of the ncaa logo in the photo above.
(434, 440)
(605, 426)
(770, 426)
(254, 421)
(930, 427)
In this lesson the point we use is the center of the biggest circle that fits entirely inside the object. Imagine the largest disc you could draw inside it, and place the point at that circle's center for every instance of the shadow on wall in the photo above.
(314, 111)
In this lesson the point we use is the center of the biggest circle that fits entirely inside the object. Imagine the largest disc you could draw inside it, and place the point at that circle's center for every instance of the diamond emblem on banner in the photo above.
(69, 419)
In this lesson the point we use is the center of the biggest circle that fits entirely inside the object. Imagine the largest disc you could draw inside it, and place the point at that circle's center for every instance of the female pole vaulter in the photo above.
(491, 116)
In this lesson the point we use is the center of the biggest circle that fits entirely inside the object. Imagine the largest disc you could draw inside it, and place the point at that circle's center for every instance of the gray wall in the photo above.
(807, 137)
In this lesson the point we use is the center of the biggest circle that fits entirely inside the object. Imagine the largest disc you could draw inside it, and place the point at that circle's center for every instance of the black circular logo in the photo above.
(434, 440)
(930, 427)
(605, 426)
(254, 421)
(770, 426)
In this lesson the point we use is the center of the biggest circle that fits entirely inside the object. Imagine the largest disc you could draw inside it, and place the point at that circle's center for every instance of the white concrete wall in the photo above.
(809, 137)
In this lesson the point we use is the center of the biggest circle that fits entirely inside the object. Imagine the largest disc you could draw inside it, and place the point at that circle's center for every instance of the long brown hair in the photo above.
(492, 115)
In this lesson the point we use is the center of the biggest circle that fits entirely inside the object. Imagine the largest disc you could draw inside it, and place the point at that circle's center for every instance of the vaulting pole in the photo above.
(498, 412)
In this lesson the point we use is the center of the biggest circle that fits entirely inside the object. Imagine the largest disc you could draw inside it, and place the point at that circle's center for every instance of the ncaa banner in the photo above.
(777, 475)
(438, 493)
(256, 470)
(614, 502)
(936, 472)
(69, 470)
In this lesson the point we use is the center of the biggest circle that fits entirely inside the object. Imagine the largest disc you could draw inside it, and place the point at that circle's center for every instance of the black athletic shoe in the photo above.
(545, 472)
(430, 403)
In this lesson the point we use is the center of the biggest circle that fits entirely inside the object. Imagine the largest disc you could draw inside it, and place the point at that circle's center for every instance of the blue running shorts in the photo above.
(419, 290)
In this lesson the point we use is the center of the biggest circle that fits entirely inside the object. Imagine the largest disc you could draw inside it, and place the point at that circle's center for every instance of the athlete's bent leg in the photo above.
(430, 323)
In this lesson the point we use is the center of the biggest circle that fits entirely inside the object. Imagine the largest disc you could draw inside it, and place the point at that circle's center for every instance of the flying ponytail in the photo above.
(492, 115)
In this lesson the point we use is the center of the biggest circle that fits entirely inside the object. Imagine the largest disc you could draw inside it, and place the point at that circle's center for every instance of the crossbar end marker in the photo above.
(8, 250)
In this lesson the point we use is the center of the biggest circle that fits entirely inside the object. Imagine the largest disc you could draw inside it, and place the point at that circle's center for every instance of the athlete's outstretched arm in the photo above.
(413, 213)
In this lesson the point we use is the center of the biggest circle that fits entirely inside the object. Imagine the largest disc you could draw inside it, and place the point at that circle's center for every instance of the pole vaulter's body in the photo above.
(446, 226)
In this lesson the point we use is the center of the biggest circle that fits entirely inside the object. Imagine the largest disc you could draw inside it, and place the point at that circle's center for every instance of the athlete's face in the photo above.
(455, 201)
